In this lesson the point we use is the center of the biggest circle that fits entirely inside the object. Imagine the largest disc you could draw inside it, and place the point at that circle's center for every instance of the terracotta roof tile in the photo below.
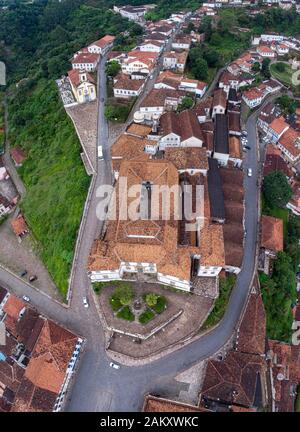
(272, 233)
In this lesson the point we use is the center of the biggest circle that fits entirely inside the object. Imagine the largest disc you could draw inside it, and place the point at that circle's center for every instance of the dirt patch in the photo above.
(18, 256)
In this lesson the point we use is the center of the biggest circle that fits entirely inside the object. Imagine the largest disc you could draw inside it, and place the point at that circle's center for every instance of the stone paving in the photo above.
(18, 256)
(84, 117)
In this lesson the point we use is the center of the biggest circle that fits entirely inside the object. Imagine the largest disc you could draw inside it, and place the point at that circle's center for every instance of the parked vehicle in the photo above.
(244, 133)
(249, 172)
(32, 278)
(24, 273)
(114, 365)
(100, 152)
(26, 298)
(85, 302)
(247, 147)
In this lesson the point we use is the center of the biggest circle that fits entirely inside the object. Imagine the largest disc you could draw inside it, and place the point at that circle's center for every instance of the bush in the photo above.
(115, 303)
(146, 316)
(97, 286)
(124, 293)
(151, 299)
(221, 303)
(161, 305)
(126, 314)
(276, 189)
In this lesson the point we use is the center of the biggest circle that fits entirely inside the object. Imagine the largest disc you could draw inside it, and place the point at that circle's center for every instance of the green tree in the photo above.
(276, 189)
(125, 294)
(287, 104)
(265, 68)
(212, 57)
(151, 299)
(256, 67)
(186, 103)
(206, 27)
(112, 68)
(200, 69)
(227, 21)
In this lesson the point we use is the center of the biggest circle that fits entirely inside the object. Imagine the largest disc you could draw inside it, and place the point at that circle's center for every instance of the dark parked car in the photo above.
(32, 278)
(247, 147)
(24, 273)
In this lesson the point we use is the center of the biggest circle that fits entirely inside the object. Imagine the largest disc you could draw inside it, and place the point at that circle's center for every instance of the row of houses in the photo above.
(38, 358)
(137, 65)
(79, 85)
(256, 374)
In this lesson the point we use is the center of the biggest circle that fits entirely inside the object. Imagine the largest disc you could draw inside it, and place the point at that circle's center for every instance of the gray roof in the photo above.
(216, 197)
(221, 142)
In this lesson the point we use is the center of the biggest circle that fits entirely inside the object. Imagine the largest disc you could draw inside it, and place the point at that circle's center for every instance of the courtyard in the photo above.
(175, 316)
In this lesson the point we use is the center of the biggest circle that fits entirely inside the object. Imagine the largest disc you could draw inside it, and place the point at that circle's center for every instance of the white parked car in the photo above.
(26, 298)
(114, 365)
(85, 302)
(249, 172)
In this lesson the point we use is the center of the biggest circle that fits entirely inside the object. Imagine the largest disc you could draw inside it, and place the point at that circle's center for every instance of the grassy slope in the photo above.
(220, 306)
(54, 176)
(285, 76)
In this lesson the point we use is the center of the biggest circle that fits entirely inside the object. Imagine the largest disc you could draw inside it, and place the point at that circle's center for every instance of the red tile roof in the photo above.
(74, 77)
(85, 57)
(220, 98)
(289, 140)
(185, 124)
(103, 42)
(18, 155)
(19, 225)
(278, 125)
(272, 233)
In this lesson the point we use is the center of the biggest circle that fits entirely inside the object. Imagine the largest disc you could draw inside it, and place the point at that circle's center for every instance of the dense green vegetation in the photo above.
(146, 316)
(220, 306)
(279, 295)
(222, 44)
(282, 71)
(156, 302)
(279, 290)
(53, 174)
(287, 104)
(166, 7)
(277, 191)
(126, 314)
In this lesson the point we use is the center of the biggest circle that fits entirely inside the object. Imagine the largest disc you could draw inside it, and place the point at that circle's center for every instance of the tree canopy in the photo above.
(276, 189)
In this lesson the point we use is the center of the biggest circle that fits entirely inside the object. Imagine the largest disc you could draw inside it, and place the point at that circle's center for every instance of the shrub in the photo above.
(97, 286)
(161, 304)
(124, 293)
(146, 316)
(115, 303)
(126, 314)
(151, 299)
